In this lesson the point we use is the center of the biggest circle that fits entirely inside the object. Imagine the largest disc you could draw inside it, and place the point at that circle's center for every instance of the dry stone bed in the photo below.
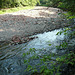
(28, 22)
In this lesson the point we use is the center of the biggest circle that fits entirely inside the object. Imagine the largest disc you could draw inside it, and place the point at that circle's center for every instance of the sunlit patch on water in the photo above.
(47, 40)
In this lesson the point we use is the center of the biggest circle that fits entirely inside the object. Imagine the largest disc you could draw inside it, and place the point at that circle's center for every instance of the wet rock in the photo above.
(16, 39)
(19, 40)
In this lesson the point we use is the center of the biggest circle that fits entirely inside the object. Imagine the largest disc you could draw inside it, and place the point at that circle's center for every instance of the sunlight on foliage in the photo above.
(10, 10)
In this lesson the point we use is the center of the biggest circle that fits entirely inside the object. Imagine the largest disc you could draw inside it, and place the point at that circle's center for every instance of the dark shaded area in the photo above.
(64, 4)
(69, 70)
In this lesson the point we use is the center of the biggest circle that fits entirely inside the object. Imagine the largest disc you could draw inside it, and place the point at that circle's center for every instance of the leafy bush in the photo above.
(17, 3)
(65, 4)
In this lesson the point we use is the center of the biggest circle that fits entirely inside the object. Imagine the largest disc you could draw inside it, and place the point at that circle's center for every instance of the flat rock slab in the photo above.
(32, 21)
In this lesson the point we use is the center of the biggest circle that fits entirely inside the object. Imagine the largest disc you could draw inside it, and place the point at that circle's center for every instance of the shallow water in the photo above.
(11, 60)
(11, 57)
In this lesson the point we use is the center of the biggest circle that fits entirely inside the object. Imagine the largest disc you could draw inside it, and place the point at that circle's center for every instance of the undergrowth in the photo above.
(9, 10)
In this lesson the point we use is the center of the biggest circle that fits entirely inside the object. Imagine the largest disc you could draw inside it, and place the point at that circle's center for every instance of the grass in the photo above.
(9, 10)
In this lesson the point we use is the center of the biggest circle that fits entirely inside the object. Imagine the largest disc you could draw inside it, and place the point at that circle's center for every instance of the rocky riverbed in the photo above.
(32, 21)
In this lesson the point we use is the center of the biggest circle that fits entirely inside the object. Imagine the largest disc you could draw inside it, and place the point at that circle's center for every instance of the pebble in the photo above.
(24, 21)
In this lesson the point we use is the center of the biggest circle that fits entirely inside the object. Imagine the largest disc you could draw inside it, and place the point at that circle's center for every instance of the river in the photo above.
(11, 56)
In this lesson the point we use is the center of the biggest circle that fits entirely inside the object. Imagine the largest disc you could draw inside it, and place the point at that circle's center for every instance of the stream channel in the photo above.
(11, 56)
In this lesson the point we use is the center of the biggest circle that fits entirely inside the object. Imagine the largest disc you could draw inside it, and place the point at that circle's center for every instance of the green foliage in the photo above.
(47, 65)
(17, 3)
(68, 58)
(3, 11)
(64, 4)
(49, 44)
(64, 31)
(69, 15)
(53, 3)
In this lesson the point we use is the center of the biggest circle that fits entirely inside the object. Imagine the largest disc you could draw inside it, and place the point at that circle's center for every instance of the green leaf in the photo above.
(25, 61)
(57, 59)
(24, 54)
(28, 53)
(35, 70)
(44, 59)
(46, 71)
(49, 44)
(57, 33)
(59, 13)
(29, 67)
(65, 33)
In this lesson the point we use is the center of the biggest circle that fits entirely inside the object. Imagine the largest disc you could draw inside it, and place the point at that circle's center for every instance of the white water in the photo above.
(44, 40)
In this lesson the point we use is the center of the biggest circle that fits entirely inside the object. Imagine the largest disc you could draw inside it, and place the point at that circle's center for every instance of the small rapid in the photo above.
(11, 56)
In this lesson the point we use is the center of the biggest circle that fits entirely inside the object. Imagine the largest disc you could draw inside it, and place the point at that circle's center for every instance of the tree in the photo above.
(17, 3)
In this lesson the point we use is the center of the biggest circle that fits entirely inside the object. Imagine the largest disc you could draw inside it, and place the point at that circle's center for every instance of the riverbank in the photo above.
(29, 22)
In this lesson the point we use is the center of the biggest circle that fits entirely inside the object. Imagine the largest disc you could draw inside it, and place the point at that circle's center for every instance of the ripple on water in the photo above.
(11, 59)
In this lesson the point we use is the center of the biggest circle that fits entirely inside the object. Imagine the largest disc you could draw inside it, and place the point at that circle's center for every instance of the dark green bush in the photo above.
(65, 4)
